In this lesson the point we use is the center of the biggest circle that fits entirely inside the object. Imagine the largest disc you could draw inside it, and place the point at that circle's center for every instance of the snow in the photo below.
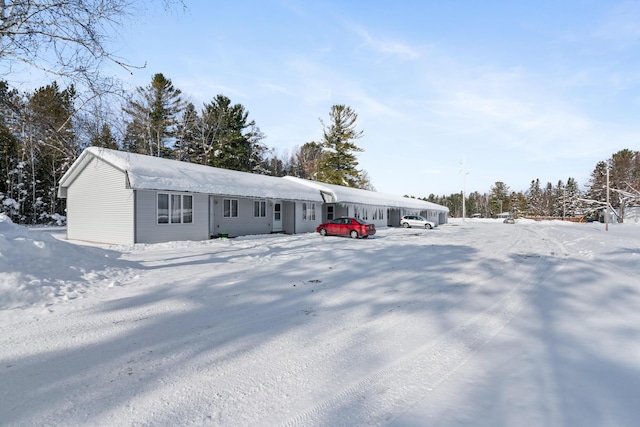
(154, 173)
(474, 323)
(342, 194)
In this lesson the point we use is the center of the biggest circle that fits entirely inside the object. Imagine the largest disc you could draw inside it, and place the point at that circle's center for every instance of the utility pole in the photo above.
(464, 189)
(606, 213)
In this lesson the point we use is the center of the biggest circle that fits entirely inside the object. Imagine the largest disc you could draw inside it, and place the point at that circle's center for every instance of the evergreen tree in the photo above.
(535, 199)
(187, 147)
(573, 206)
(13, 173)
(155, 110)
(500, 201)
(558, 205)
(624, 175)
(598, 182)
(227, 144)
(105, 138)
(52, 147)
(338, 164)
(258, 151)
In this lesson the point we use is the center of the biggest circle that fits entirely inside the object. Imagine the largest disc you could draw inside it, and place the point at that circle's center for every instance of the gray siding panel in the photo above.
(149, 231)
(99, 206)
(245, 223)
(307, 225)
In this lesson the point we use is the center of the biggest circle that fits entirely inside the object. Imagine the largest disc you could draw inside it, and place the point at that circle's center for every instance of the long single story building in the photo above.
(117, 197)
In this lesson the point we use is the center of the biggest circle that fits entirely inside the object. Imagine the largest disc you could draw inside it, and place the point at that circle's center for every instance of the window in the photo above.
(230, 207)
(175, 208)
(259, 208)
(187, 209)
(329, 213)
(163, 209)
(308, 211)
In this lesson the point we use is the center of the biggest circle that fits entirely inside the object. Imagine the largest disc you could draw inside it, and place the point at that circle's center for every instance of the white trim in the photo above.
(170, 205)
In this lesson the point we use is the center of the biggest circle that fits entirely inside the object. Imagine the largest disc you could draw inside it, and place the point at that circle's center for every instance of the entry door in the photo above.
(277, 216)
(212, 223)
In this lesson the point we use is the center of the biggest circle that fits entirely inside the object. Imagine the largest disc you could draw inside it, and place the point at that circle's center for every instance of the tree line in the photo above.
(44, 131)
(560, 200)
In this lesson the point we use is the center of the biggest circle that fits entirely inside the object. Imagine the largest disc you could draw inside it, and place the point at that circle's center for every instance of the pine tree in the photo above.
(226, 144)
(598, 182)
(535, 199)
(155, 111)
(338, 164)
(573, 205)
(187, 147)
(105, 138)
(500, 201)
(51, 147)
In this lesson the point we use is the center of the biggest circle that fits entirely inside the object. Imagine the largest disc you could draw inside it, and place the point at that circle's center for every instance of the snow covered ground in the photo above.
(474, 323)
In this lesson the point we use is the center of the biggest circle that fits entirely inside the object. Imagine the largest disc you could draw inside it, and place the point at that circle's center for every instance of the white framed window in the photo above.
(308, 211)
(259, 208)
(174, 208)
(230, 208)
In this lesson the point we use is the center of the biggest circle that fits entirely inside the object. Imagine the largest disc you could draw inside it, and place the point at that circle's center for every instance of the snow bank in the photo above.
(31, 272)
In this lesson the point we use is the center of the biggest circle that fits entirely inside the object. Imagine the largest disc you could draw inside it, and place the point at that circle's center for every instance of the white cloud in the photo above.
(386, 47)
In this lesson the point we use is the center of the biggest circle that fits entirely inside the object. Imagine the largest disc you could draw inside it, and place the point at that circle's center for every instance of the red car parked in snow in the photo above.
(353, 227)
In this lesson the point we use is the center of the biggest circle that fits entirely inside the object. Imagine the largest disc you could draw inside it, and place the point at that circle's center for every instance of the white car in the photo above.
(409, 221)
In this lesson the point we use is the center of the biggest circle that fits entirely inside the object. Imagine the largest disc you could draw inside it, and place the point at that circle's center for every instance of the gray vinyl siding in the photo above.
(99, 205)
(289, 217)
(245, 223)
(308, 225)
(149, 231)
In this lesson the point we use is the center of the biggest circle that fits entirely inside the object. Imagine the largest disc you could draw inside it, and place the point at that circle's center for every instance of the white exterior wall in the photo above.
(149, 231)
(99, 206)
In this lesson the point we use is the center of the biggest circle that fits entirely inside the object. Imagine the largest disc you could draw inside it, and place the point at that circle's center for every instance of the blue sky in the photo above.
(519, 90)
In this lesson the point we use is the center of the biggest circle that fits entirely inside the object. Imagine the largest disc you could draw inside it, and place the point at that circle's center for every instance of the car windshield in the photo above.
(359, 221)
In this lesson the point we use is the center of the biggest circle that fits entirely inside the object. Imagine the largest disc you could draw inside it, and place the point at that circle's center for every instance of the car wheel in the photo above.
(405, 224)
(353, 234)
(427, 226)
(323, 232)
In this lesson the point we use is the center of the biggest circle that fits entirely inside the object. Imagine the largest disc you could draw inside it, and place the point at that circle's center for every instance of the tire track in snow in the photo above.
(391, 391)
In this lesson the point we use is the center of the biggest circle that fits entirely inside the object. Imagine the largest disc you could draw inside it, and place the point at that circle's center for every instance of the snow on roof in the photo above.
(341, 194)
(155, 173)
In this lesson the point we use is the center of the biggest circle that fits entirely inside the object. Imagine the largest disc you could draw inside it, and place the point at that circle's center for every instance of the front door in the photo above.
(212, 217)
(277, 216)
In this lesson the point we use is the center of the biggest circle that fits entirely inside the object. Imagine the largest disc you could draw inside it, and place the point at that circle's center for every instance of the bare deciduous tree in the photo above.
(68, 38)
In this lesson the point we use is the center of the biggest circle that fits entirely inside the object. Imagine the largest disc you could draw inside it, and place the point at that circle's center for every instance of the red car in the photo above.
(353, 227)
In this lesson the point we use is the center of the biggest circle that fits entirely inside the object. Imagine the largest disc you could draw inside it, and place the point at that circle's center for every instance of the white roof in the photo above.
(340, 194)
(155, 173)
